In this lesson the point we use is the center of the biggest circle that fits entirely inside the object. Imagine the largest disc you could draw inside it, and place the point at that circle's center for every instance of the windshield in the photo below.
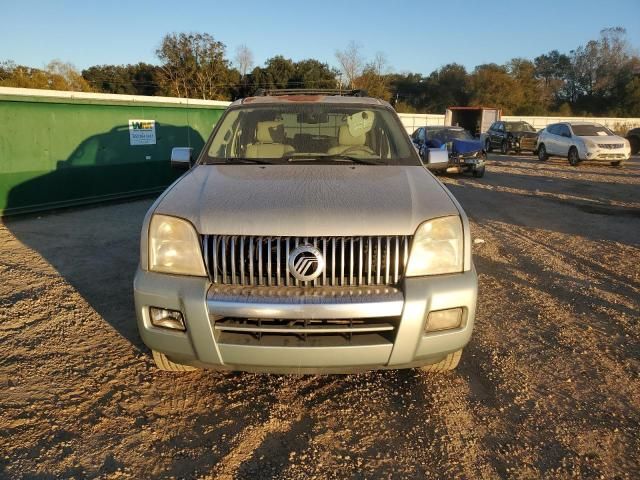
(590, 130)
(310, 133)
(519, 127)
(445, 135)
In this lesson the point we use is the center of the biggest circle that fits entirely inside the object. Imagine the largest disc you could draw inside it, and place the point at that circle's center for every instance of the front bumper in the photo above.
(207, 309)
(523, 143)
(606, 155)
(466, 163)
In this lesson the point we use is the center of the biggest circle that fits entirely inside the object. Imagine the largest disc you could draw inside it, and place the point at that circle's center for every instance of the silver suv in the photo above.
(307, 238)
(578, 141)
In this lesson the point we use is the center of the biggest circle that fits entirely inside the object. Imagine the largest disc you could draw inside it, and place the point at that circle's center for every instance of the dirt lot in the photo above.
(548, 387)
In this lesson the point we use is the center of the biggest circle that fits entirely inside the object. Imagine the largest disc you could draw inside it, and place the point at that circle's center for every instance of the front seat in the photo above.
(267, 143)
(347, 141)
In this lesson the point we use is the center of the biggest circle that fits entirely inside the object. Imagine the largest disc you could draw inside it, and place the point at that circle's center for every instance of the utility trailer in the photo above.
(476, 120)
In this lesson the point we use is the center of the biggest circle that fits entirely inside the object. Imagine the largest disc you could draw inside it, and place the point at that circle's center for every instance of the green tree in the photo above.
(533, 101)
(57, 75)
(491, 85)
(194, 65)
(138, 79)
(312, 73)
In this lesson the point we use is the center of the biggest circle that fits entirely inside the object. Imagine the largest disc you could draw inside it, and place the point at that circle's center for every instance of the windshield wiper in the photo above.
(361, 161)
(336, 158)
(233, 160)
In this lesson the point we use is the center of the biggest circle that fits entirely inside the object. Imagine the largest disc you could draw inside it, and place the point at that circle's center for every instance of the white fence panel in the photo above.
(613, 123)
(412, 121)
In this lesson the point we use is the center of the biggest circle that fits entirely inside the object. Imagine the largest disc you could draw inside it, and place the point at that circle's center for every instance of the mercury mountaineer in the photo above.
(307, 237)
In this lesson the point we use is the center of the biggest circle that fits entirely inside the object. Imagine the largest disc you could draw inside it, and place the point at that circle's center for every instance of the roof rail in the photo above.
(264, 92)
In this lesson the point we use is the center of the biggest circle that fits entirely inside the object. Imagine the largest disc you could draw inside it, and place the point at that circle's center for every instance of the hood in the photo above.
(466, 146)
(603, 138)
(307, 200)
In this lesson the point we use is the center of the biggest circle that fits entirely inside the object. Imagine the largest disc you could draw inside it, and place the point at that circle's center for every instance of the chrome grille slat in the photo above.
(233, 259)
(286, 262)
(369, 258)
(396, 263)
(278, 245)
(324, 254)
(224, 260)
(269, 252)
(351, 261)
(214, 241)
(342, 261)
(387, 260)
(333, 262)
(379, 260)
(360, 262)
(251, 268)
(263, 261)
(260, 279)
(242, 261)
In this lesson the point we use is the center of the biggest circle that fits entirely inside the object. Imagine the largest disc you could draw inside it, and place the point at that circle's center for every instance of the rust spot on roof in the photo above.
(303, 98)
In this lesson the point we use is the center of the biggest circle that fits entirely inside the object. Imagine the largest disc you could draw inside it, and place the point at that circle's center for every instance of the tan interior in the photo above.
(347, 141)
(268, 135)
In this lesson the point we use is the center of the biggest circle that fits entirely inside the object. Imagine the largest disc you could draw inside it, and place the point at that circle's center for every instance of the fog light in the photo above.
(444, 320)
(164, 318)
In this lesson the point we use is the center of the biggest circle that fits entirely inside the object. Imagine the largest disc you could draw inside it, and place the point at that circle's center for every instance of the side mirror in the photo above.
(181, 157)
(567, 135)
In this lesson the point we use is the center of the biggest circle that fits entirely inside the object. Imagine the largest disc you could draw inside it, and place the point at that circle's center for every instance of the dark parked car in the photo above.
(510, 136)
(465, 152)
(633, 136)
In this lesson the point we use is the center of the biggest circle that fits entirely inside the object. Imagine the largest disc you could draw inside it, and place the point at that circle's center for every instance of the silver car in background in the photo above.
(307, 237)
(579, 141)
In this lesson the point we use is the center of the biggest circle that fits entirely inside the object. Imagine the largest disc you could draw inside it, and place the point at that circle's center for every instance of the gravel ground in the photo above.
(548, 387)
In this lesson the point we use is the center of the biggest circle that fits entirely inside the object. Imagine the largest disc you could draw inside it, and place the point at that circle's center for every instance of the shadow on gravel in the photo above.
(629, 169)
(540, 202)
(96, 250)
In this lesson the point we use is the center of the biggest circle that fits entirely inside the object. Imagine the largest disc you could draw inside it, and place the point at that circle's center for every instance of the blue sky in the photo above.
(415, 36)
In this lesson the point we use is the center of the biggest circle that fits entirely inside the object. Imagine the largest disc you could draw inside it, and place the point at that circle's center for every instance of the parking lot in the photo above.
(548, 387)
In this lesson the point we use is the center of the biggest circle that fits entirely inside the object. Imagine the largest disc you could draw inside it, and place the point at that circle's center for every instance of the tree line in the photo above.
(601, 77)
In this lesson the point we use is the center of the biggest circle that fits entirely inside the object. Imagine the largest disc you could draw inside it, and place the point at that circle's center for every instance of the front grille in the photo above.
(349, 261)
(527, 142)
(611, 145)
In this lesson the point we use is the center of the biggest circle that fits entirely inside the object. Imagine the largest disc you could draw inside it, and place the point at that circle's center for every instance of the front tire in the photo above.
(504, 148)
(573, 157)
(450, 362)
(542, 153)
(478, 172)
(487, 145)
(163, 363)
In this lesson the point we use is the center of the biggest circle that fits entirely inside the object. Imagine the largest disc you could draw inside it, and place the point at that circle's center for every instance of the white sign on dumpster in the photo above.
(142, 132)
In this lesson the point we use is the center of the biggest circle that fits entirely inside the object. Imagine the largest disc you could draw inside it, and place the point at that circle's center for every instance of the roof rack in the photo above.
(276, 92)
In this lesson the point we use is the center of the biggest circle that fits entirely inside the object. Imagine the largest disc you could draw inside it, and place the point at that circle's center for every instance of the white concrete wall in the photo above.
(411, 121)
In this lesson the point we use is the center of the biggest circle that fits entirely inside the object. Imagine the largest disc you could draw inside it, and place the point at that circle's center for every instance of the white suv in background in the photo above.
(579, 141)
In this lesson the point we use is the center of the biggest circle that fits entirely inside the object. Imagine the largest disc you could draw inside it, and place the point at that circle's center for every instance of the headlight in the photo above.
(437, 248)
(174, 247)
(590, 144)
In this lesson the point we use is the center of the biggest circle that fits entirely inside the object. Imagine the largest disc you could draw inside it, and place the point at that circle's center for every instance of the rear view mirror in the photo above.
(181, 157)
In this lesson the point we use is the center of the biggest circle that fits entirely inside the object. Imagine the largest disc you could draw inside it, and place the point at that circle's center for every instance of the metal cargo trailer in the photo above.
(476, 120)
